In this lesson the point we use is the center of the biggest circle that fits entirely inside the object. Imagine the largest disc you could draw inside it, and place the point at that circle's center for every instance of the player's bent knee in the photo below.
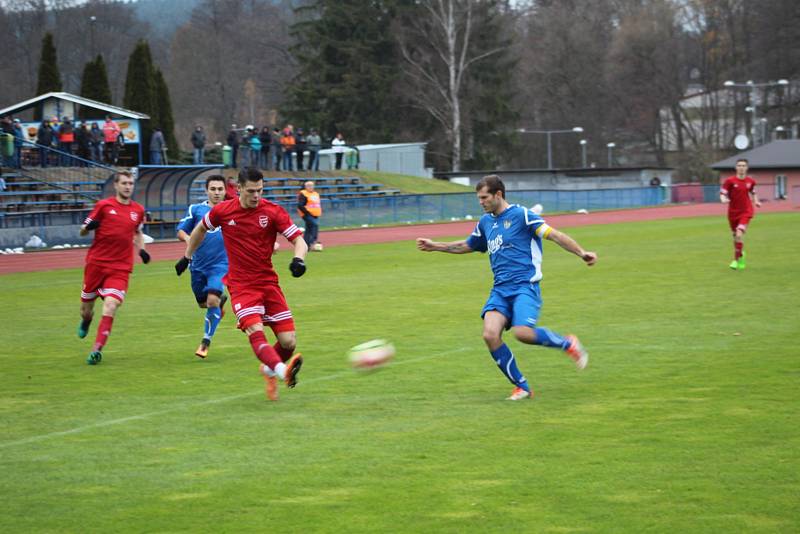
(491, 337)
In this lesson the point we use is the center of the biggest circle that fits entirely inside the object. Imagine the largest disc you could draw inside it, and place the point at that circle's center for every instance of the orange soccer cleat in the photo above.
(577, 352)
(270, 382)
(520, 394)
(292, 368)
(202, 350)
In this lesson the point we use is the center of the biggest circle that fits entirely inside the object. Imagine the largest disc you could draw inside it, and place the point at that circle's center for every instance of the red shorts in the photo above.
(104, 282)
(739, 221)
(266, 305)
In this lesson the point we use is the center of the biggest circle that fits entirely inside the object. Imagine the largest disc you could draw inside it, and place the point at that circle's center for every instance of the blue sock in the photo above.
(508, 365)
(548, 338)
(213, 316)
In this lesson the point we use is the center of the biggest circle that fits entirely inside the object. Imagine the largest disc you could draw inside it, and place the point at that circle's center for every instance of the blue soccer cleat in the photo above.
(83, 328)
(94, 358)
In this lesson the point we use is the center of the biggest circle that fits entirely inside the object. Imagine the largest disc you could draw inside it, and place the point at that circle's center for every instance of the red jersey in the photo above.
(738, 191)
(113, 239)
(249, 236)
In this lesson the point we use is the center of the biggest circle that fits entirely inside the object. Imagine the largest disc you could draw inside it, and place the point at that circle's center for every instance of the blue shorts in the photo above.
(520, 304)
(209, 280)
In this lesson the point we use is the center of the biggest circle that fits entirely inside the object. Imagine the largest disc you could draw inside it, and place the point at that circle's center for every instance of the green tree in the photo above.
(140, 90)
(347, 67)
(49, 77)
(163, 118)
(94, 85)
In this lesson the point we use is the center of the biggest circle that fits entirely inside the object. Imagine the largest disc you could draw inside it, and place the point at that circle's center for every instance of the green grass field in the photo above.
(685, 421)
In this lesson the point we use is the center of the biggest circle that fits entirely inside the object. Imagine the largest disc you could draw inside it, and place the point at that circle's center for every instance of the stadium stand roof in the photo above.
(81, 101)
(780, 154)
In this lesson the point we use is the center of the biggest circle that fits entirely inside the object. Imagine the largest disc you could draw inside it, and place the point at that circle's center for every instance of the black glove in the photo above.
(94, 224)
(144, 255)
(298, 267)
(182, 264)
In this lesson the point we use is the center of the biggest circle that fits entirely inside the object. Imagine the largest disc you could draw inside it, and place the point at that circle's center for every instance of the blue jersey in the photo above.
(514, 242)
(211, 253)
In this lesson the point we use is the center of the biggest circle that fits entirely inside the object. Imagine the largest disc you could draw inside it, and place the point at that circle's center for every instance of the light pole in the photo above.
(611, 154)
(549, 133)
(583, 152)
(92, 20)
(752, 86)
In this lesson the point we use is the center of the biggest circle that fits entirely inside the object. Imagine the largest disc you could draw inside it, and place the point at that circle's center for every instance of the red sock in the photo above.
(739, 247)
(103, 330)
(264, 350)
(285, 354)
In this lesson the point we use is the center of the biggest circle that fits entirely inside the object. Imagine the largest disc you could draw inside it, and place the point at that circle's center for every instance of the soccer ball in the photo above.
(317, 247)
(537, 209)
(371, 355)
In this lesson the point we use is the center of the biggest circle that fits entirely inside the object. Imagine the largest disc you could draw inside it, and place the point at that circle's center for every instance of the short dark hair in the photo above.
(743, 159)
(120, 174)
(250, 174)
(215, 178)
(493, 184)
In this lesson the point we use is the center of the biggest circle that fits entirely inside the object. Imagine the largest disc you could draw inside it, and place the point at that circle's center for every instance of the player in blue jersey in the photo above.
(209, 263)
(512, 235)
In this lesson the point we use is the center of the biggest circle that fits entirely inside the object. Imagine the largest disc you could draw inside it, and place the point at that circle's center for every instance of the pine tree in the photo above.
(347, 69)
(49, 77)
(140, 93)
(164, 118)
(94, 85)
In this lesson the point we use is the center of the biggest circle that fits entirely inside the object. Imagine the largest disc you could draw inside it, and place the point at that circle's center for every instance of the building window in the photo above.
(780, 187)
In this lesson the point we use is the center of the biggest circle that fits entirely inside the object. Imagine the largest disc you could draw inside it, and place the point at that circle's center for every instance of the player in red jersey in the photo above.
(250, 226)
(117, 224)
(739, 193)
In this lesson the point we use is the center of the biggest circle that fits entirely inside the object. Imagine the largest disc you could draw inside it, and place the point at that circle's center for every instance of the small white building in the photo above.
(399, 158)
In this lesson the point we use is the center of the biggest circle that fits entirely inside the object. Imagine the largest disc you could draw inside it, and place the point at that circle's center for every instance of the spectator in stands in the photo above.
(255, 149)
(96, 142)
(338, 143)
(2, 184)
(111, 133)
(287, 145)
(83, 137)
(300, 147)
(157, 147)
(233, 142)
(276, 147)
(19, 139)
(244, 147)
(6, 125)
(352, 158)
(199, 144)
(314, 145)
(309, 206)
(66, 136)
(266, 141)
(44, 138)
(7, 131)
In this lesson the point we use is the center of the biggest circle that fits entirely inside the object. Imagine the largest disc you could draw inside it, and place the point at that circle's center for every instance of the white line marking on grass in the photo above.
(121, 420)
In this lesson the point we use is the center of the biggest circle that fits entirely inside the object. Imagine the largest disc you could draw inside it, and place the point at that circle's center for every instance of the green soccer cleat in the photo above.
(83, 328)
(94, 358)
(734, 264)
(741, 263)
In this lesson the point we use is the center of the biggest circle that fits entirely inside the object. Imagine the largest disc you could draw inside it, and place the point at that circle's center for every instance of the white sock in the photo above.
(266, 370)
(280, 371)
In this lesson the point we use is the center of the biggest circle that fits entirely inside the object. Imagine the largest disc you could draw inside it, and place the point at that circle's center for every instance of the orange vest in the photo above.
(313, 204)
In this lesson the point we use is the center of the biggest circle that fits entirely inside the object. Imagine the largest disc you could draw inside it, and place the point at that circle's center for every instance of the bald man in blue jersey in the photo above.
(512, 235)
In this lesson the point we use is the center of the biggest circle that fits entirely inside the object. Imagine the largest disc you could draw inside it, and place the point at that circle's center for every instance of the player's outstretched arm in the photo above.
(755, 199)
(723, 197)
(570, 245)
(453, 247)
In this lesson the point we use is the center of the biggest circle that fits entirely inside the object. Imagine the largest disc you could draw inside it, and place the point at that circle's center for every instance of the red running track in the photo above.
(73, 258)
